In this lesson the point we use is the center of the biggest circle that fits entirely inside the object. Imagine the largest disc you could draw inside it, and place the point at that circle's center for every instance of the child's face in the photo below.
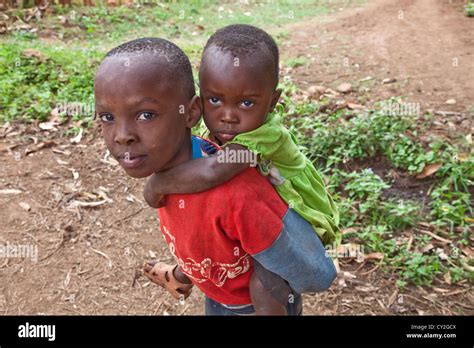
(144, 114)
(237, 94)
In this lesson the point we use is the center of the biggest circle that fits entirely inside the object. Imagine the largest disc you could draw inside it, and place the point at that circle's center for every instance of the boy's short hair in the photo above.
(246, 39)
(178, 62)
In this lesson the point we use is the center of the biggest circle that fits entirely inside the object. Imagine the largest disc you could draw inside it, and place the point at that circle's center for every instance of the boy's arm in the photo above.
(198, 175)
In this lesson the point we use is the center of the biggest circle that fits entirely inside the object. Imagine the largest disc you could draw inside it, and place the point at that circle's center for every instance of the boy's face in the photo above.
(237, 93)
(145, 115)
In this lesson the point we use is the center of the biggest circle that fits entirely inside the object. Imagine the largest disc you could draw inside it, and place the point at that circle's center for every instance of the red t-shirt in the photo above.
(213, 234)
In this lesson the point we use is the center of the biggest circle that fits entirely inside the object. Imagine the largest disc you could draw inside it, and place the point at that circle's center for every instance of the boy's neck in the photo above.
(184, 154)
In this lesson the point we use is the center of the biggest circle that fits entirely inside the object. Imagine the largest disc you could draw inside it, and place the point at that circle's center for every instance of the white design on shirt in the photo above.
(208, 270)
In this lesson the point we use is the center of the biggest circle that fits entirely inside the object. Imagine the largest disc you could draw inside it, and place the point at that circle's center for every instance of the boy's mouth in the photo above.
(131, 160)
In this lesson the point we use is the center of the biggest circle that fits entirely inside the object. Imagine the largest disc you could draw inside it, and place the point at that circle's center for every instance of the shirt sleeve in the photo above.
(277, 237)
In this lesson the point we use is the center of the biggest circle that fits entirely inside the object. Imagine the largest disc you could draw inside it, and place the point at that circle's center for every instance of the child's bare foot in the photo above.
(162, 274)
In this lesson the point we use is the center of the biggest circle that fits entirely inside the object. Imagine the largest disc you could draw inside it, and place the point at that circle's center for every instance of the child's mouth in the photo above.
(226, 136)
(131, 160)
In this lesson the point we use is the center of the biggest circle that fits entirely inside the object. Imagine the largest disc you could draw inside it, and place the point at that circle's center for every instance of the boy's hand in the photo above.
(163, 275)
(154, 199)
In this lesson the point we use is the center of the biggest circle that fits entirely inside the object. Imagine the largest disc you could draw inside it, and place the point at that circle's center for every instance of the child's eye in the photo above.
(106, 117)
(145, 116)
(214, 100)
(247, 103)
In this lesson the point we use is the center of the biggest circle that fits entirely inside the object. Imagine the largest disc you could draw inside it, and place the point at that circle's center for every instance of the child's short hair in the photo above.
(246, 39)
(178, 62)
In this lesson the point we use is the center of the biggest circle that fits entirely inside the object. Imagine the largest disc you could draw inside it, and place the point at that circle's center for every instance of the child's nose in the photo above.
(228, 116)
(124, 136)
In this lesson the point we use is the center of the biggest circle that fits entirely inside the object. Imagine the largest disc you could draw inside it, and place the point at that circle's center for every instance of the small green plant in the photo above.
(34, 81)
(469, 9)
(364, 185)
(451, 200)
(417, 268)
(407, 154)
(400, 215)
(377, 238)
(296, 62)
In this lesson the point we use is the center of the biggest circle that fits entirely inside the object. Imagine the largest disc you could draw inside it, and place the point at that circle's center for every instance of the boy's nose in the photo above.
(124, 137)
(228, 116)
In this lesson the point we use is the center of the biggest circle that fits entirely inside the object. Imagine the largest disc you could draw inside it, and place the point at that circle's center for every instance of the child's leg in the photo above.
(271, 292)
(262, 299)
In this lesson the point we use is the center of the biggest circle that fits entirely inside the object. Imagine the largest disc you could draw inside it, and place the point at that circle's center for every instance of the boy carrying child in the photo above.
(146, 102)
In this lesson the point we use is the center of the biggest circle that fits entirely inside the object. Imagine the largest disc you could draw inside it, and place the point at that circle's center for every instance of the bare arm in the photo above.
(198, 175)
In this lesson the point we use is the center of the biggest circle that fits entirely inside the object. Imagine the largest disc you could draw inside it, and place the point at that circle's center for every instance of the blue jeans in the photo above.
(215, 308)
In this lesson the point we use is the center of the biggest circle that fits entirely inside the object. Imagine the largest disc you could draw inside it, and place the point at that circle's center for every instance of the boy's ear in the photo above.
(275, 98)
(194, 111)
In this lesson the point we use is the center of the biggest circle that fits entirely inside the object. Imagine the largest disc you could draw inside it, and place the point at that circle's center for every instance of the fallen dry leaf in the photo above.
(25, 206)
(427, 248)
(10, 192)
(429, 169)
(465, 264)
(467, 251)
(75, 174)
(65, 152)
(440, 290)
(40, 146)
(29, 52)
(354, 106)
(78, 137)
(441, 254)
(447, 277)
(389, 80)
(48, 126)
(392, 297)
(367, 78)
(349, 230)
(378, 256)
(446, 241)
(61, 162)
(344, 88)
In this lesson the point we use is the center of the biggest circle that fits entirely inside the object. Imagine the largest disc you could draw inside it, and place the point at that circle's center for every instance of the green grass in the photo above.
(333, 139)
(469, 9)
(77, 38)
(296, 62)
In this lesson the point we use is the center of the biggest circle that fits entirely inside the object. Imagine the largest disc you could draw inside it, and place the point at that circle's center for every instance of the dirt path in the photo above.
(87, 257)
(428, 46)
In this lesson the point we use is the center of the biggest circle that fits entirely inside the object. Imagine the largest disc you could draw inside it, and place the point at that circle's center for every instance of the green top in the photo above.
(295, 178)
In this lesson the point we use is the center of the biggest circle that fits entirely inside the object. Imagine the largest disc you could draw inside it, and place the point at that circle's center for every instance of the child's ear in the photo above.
(194, 111)
(275, 98)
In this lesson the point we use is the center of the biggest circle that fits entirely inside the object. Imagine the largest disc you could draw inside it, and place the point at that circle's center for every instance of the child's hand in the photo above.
(163, 275)
(154, 199)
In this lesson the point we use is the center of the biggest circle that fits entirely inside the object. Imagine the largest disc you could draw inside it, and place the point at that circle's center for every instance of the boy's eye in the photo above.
(106, 117)
(247, 103)
(145, 116)
(214, 100)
